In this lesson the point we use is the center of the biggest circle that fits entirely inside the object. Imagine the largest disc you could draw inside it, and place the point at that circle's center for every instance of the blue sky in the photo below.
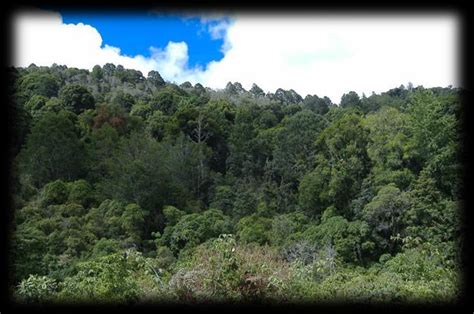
(324, 55)
(135, 33)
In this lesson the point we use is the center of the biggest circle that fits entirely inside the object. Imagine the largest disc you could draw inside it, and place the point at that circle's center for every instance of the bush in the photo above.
(106, 280)
(55, 192)
(222, 270)
(37, 289)
(254, 229)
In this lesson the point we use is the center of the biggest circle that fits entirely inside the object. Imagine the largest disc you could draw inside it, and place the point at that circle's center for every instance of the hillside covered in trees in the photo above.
(131, 189)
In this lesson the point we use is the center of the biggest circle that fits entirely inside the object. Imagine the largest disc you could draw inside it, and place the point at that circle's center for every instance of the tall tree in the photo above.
(76, 97)
(52, 151)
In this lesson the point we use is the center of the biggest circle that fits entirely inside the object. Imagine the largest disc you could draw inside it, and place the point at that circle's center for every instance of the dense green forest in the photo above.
(131, 189)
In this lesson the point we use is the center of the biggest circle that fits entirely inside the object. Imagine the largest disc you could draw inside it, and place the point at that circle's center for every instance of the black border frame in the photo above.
(461, 9)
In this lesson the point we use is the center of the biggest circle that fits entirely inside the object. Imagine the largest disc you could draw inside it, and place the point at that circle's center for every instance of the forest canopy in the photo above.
(129, 188)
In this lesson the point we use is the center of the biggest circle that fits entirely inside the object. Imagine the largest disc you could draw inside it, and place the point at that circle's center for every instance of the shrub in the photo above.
(37, 289)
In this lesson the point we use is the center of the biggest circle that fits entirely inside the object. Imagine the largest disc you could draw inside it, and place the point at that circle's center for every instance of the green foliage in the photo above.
(164, 256)
(388, 147)
(36, 104)
(156, 124)
(76, 98)
(254, 229)
(53, 150)
(29, 245)
(316, 104)
(349, 238)
(193, 229)
(172, 214)
(350, 99)
(102, 143)
(131, 190)
(435, 133)
(286, 226)
(341, 165)
(97, 72)
(138, 160)
(141, 109)
(155, 78)
(81, 192)
(37, 83)
(223, 199)
(107, 279)
(123, 100)
(36, 289)
(55, 193)
(385, 215)
(133, 222)
(223, 270)
(166, 101)
(257, 91)
(104, 247)
(295, 151)
(431, 216)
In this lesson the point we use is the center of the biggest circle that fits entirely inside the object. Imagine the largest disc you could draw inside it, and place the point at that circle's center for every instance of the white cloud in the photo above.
(42, 38)
(332, 55)
(218, 29)
(323, 55)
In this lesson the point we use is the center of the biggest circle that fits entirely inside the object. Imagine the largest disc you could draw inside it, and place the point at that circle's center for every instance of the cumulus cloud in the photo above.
(42, 38)
(323, 55)
(327, 55)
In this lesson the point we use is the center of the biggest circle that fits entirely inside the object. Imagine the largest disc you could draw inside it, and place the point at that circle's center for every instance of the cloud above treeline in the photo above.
(312, 54)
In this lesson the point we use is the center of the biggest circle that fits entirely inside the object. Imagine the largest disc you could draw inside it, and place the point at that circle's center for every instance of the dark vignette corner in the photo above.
(463, 13)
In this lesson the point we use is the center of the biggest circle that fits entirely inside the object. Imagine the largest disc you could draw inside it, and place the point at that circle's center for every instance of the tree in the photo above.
(82, 193)
(286, 226)
(257, 91)
(156, 124)
(186, 84)
(349, 238)
(434, 139)
(155, 79)
(109, 69)
(432, 217)
(316, 104)
(296, 148)
(193, 229)
(140, 160)
(359, 201)
(112, 115)
(29, 244)
(350, 99)
(200, 136)
(385, 215)
(37, 289)
(37, 83)
(290, 97)
(130, 76)
(166, 101)
(254, 229)
(53, 150)
(35, 104)
(388, 147)
(230, 89)
(172, 215)
(124, 100)
(340, 167)
(106, 279)
(76, 97)
(97, 73)
(100, 146)
(133, 223)
(55, 192)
